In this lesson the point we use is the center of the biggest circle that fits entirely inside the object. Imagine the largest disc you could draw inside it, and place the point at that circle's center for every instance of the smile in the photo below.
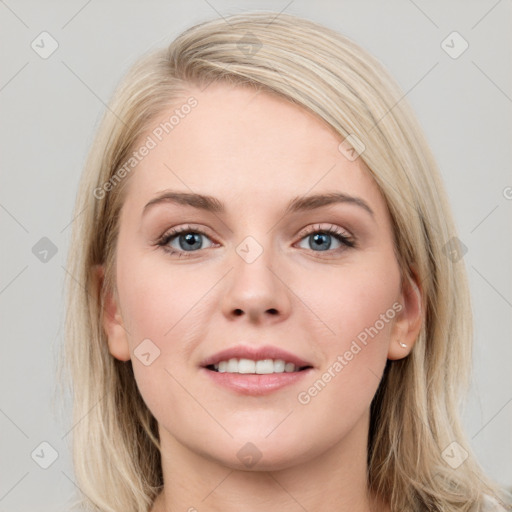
(261, 366)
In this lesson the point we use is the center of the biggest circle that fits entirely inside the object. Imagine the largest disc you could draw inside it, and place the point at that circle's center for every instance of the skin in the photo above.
(255, 152)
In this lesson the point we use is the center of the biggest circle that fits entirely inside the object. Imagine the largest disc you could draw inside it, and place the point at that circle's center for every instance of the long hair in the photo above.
(415, 419)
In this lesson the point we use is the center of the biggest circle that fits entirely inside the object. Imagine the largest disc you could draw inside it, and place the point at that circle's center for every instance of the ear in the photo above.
(111, 319)
(409, 319)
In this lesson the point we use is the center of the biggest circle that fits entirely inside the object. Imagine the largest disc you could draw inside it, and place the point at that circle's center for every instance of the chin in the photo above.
(260, 454)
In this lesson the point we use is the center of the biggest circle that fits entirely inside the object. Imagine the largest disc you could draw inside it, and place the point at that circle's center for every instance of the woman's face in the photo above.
(261, 264)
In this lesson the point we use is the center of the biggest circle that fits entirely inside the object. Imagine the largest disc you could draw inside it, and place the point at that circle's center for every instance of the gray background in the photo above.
(51, 108)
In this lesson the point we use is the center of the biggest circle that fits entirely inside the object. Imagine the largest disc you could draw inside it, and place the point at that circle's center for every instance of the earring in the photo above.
(403, 345)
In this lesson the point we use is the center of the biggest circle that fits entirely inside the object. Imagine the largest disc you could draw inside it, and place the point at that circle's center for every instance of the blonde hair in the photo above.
(415, 412)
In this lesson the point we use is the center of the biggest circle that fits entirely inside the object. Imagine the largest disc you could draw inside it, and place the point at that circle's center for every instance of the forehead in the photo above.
(245, 147)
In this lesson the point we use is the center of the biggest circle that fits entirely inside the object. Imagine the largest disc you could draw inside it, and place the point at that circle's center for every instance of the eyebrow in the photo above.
(297, 204)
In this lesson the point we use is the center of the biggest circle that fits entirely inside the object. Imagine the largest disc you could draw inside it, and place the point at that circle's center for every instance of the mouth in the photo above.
(255, 370)
(260, 377)
(256, 367)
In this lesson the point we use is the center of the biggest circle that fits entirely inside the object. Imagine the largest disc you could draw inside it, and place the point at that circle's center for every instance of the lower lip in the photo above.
(256, 385)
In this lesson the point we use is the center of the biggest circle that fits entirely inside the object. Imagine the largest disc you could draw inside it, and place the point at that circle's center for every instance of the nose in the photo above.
(256, 291)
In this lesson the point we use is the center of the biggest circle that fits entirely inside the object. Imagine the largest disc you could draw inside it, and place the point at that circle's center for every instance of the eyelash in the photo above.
(335, 231)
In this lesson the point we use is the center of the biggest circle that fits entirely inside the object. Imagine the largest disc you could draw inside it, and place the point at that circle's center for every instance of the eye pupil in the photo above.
(190, 240)
(320, 238)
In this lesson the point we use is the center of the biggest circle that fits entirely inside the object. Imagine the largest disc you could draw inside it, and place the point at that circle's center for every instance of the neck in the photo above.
(334, 480)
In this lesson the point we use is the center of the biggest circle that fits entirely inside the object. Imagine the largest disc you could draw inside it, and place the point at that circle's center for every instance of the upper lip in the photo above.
(256, 354)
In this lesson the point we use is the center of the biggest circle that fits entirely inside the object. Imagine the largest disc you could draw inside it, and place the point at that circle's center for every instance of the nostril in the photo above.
(238, 312)
(272, 311)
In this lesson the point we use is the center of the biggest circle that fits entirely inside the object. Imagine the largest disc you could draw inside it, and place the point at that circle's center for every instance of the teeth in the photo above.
(246, 366)
(262, 366)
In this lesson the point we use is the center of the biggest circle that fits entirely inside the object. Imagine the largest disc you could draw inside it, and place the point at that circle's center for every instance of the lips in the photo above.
(256, 354)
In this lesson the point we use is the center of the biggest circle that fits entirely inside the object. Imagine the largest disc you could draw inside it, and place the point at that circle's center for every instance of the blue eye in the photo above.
(190, 240)
(322, 239)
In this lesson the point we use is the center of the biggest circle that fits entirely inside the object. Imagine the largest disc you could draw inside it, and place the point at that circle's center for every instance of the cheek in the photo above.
(365, 310)
(165, 310)
(355, 304)
(355, 298)
(157, 299)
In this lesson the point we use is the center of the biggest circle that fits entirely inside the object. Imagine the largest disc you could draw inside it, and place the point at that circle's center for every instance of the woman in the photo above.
(266, 309)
